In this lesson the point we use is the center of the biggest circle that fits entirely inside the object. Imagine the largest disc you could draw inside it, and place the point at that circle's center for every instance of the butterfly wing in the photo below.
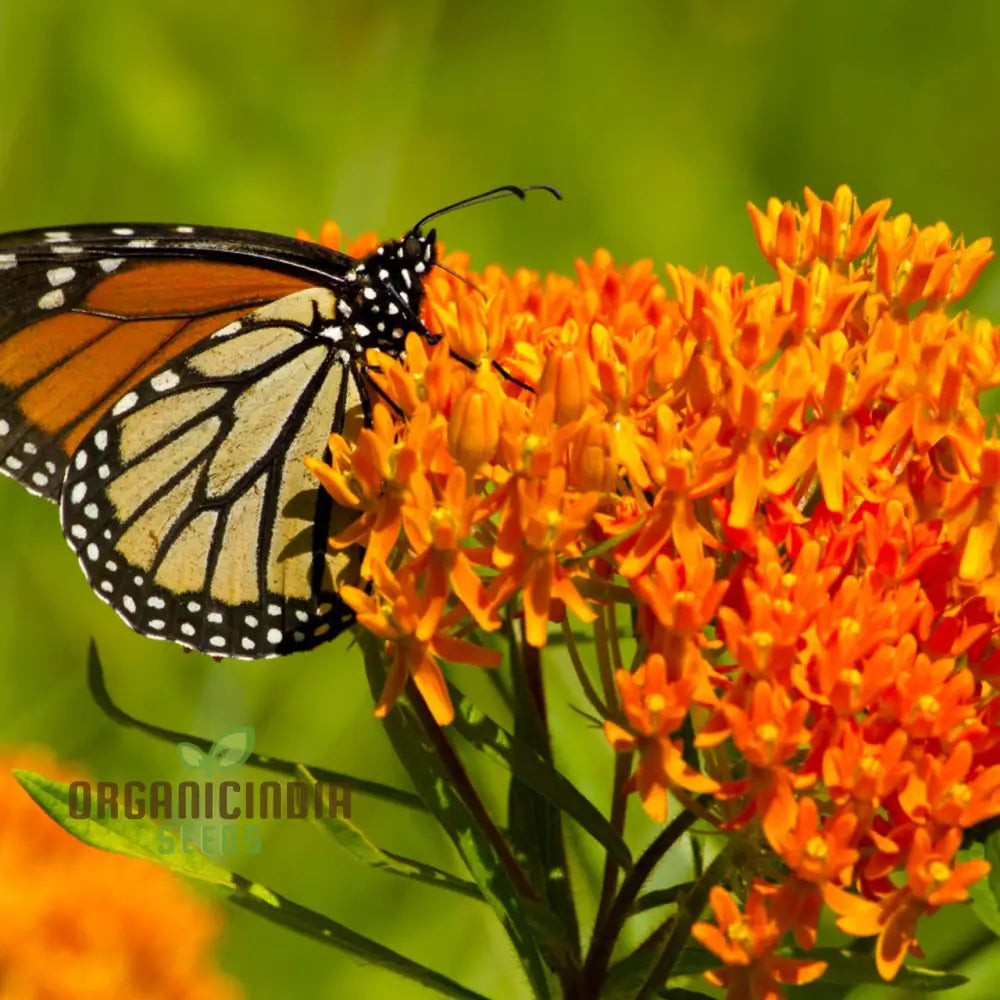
(87, 313)
(189, 504)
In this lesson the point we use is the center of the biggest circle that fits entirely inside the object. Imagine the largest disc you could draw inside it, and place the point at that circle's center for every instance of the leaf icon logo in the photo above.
(231, 749)
(191, 755)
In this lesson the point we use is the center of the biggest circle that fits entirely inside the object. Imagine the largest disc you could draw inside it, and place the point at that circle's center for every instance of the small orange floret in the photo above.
(474, 428)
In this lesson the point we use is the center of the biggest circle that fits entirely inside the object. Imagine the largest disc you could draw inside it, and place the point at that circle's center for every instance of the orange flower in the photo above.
(932, 882)
(81, 924)
(835, 231)
(746, 942)
(373, 477)
(819, 852)
(474, 428)
(655, 708)
(946, 792)
(425, 378)
(410, 625)
(566, 377)
(437, 530)
(782, 491)
(541, 522)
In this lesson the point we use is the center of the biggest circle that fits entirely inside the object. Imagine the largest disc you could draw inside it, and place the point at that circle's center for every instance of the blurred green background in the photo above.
(658, 121)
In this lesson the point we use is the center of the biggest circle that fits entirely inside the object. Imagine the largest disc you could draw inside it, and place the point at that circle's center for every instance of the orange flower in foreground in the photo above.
(541, 521)
(373, 477)
(655, 708)
(933, 880)
(777, 500)
(835, 231)
(77, 923)
(746, 943)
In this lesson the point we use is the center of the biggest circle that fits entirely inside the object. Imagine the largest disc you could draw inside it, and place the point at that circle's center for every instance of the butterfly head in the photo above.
(387, 290)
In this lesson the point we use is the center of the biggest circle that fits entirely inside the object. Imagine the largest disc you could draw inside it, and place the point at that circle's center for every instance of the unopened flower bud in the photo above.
(565, 376)
(474, 428)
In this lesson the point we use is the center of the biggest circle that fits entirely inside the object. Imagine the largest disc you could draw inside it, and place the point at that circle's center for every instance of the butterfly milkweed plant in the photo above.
(752, 529)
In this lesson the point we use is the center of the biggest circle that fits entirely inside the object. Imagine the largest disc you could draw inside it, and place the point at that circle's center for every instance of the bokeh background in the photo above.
(657, 120)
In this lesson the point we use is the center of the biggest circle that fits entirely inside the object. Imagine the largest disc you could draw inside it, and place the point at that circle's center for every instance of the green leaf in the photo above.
(354, 841)
(193, 749)
(981, 893)
(534, 823)
(536, 772)
(141, 839)
(847, 968)
(844, 968)
(133, 838)
(626, 977)
(660, 897)
(692, 961)
(991, 852)
(420, 746)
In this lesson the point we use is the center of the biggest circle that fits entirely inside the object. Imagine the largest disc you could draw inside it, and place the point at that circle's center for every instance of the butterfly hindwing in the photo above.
(189, 504)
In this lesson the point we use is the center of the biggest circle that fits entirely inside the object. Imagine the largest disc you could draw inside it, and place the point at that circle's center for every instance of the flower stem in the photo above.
(619, 807)
(678, 925)
(607, 930)
(465, 790)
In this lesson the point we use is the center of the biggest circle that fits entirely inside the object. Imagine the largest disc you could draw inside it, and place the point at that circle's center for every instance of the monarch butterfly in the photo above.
(163, 384)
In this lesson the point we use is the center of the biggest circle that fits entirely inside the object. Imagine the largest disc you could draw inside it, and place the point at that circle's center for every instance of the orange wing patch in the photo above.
(38, 348)
(101, 370)
(72, 366)
(155, 288)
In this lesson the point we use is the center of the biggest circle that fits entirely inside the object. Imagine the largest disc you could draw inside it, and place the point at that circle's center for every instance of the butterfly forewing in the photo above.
(164, 384)
(88, 312)
(189, 503)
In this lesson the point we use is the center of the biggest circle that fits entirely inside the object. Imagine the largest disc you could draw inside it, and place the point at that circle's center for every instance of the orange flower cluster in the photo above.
(791, 489)
(80, 924)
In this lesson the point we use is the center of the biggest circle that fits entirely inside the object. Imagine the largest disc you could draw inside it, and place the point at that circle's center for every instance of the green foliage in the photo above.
(658, 121)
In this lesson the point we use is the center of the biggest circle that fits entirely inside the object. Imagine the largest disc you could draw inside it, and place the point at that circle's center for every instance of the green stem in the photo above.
(607, 931)
(619, 808)
(589, 691)
(680, 923)
(602, 649)
(610, 611)
(531, 661)
(466, 791)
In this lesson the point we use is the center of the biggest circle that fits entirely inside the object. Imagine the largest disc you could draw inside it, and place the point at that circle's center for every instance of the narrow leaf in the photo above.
(534, 822)
(536, 772)
(188, 744)
(981, 893)
(410, 734)
(846, 968)
(991, 852)
(140, 839)
(356, 843)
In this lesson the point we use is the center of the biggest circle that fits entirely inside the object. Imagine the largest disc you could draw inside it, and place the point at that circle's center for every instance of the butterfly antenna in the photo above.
(462, 278)
(478, 199)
